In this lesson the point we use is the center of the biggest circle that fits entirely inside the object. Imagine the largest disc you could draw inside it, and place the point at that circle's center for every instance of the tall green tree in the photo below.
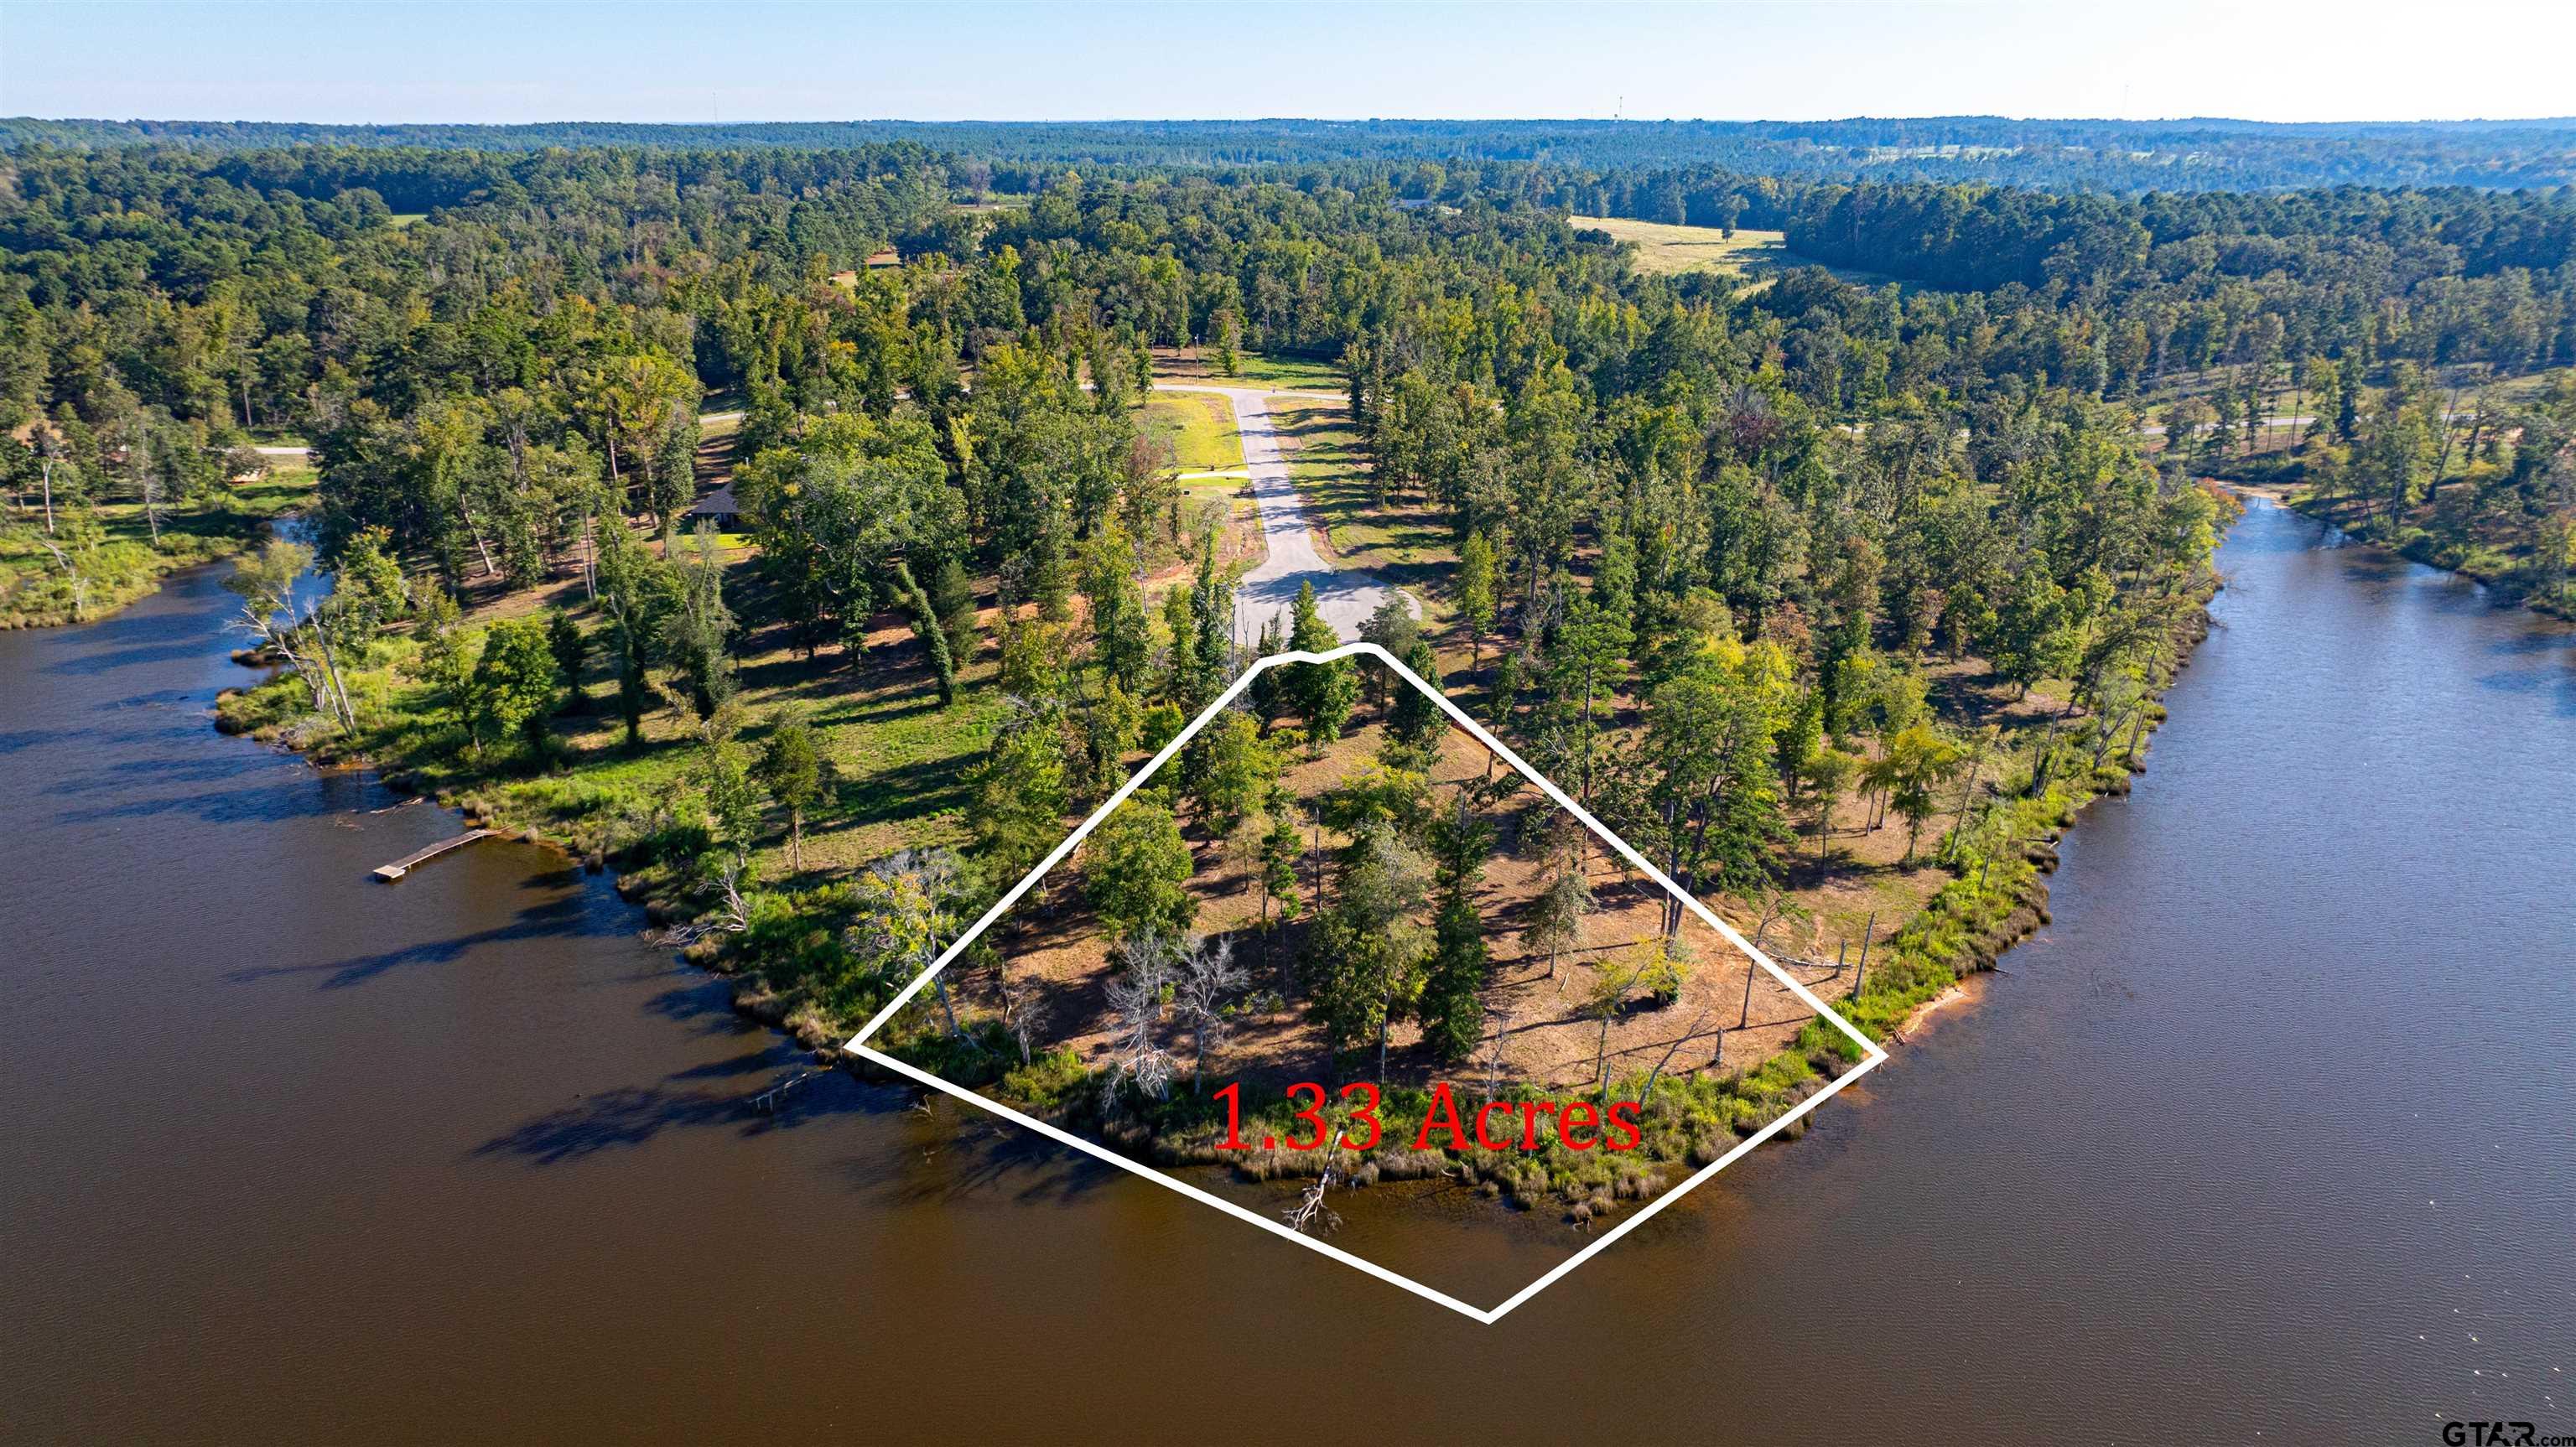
(795, 771)
(1136, 871)
(512, 687)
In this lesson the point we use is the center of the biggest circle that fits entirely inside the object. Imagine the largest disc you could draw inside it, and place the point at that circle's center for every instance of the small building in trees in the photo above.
(719, 508)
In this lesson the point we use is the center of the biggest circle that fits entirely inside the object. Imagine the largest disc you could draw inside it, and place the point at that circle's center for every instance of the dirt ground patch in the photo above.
(1056, 953)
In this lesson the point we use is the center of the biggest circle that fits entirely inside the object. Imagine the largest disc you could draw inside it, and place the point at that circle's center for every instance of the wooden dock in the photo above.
(774, 1099)
(411, 861)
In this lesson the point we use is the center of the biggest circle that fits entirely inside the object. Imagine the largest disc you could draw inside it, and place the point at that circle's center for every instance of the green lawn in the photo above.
(1198, 427)
(903, 760)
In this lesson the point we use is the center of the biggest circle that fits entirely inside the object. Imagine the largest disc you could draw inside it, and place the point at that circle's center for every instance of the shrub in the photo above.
(1048, 1081)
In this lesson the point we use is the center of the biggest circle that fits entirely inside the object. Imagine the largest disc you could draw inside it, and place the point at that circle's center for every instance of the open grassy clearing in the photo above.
(1198, 427)
(902, 760)
(1664, 249)
(1252, 369)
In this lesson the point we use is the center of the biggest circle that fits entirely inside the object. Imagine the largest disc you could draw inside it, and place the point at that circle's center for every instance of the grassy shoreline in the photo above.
(125, 563)
(2417, 545)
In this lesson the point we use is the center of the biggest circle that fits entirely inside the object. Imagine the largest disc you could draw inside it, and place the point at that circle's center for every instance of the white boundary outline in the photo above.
(1872, 1055)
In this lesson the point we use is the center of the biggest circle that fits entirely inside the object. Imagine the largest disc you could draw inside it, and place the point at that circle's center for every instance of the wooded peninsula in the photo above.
(817, 531)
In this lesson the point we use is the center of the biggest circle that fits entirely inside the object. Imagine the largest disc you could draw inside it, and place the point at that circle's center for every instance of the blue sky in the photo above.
(2290, 60)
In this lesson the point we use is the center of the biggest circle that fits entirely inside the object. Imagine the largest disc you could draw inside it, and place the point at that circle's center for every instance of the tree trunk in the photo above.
(945, 1004)
(331, 668)
(1966, 797)
(475, 531)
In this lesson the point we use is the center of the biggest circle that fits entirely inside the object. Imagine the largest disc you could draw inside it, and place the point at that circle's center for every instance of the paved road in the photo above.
(1345, 597)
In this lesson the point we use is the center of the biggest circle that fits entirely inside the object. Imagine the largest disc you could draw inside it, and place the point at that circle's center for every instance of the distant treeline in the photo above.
(2118, 156)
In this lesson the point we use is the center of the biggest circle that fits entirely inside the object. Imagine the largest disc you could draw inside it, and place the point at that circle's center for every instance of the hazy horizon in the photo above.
(2568, 118)
(477, 64)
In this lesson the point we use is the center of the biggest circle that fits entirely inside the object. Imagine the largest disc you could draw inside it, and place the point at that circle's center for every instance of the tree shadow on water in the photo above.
(108, 660)
(633, 1115)
(952, 1156)
(562, 918)
(273, 797)
(20, 740)
(705, 1002)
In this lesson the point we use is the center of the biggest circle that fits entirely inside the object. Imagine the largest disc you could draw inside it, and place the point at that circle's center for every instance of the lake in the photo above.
(2271, 1135)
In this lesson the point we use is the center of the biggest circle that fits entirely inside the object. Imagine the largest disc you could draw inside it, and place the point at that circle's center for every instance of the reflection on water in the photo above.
(2267, 1134)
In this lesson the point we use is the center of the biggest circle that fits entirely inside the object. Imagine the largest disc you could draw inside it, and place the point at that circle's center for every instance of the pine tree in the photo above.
(925, 623)
(1452, 1007)
(1321, 693)
(1415, 719)
(952, 597)
(792, 768)
(571, 649)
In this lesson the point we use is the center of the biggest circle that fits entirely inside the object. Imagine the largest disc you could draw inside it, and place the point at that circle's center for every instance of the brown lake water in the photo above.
(2270, 1137)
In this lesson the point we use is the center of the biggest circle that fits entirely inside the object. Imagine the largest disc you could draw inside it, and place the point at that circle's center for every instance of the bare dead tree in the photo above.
(730, 918)
(1022, 1015)
(1658, 1073)
(79, 581)
(1310, 1209)
(1137, 1001)
(1208, 985)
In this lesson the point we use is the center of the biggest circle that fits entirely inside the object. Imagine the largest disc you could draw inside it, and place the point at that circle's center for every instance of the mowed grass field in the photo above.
(1755, 255)
(1198, 427)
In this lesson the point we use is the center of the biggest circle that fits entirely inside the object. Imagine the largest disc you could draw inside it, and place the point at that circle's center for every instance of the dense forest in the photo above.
(2119, 156)
(1745, 564)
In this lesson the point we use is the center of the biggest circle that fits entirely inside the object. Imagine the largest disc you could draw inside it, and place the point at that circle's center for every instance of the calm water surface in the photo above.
(2271, 1137)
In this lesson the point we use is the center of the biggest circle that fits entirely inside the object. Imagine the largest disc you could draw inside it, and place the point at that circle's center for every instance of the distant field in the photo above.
(1756, 255)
